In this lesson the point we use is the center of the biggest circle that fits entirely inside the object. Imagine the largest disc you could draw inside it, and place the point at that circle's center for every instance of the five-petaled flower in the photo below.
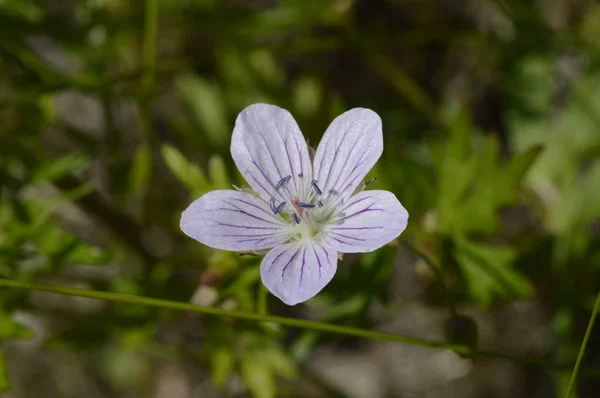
(305, 211)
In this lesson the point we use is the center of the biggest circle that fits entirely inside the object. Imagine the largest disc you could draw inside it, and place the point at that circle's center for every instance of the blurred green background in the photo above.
(491, 115)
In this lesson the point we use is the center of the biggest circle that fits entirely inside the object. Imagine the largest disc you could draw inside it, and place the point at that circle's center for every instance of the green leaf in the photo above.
(139, 176)
(257, 375)
(305, 344)
(188, 173)
(487, 270)
(27, 10)
(218, 173)
(280, 362)
(9, 329)
(55, 169)
(244, 279)
(222, 363)
(207, 104)
(265, 65)
(514, 172)
(307, 96)
(459, 142)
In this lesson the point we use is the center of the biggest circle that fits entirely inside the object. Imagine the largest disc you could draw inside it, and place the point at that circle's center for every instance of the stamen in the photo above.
(320, 204)
(283, 182)
(296, 218)
(272, 203)
(305, 205)
(278, 209)
(316, 188)
(301, 175)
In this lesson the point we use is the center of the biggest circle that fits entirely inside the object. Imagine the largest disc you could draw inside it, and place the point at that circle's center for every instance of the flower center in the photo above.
(306, 229)
(305, 218)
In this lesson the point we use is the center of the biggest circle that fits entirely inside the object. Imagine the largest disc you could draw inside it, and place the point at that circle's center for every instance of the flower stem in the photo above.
(586, 337)
(436, 271)
(263, 295)
(4, 381)
(149, 43)
(292, 322)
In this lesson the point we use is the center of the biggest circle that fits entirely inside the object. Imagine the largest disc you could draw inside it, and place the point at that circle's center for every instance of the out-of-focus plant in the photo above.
(92, 198)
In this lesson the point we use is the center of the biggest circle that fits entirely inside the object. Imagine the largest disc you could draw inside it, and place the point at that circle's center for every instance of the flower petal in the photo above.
(267, 146)
(366, 222)
(232, 220)
(297, 271)
(350, 147)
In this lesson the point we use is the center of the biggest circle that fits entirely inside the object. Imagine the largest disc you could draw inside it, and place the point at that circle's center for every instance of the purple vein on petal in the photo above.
(358, 201)
(244, 212)
(318, 261)
(357, 213)
(302, 267)
(288, 263)
(339, 143)
(262, 173)
(275, 260)
(299, 157)
(258, 129)
(358, 163)
(259, 208)
(354, 228)
(348, 237)
(257, 240)
(291, 165)
(270, 153)
(341, 172)
(334, 238)
(352, 204)
(249, 235)
(243, 226)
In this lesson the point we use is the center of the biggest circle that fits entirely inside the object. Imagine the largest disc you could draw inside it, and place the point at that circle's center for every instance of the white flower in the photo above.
(305, 211)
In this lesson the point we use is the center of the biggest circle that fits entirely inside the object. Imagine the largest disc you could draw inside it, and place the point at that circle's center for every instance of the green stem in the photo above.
(4, 381)
(147, 82)
(436, 271)
(149, 44)
(586, 337)
(292, 322)
(263, 295)
(406, 87)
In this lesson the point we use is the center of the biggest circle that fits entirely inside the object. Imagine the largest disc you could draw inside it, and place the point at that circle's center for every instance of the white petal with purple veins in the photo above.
(295, 272)
(350, 147)
(366, 222)
(232, 220)
(267, 146)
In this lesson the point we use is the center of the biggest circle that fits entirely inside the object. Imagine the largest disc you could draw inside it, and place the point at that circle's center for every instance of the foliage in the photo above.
(492, 139)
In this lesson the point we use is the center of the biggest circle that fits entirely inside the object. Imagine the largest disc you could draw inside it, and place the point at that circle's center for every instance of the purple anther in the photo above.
(296, 218)
(305, 205)
(272, 203)
(281, 206)
(316, 188)
(283, 182)
(300, 175)
(320, 204)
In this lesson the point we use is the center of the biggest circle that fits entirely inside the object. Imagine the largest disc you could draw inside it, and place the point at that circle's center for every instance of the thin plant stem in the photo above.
(263, 295)
(291, 322)
(436, 271)
(586, 337)
(149, 43)
(4, 380)
(149, 139)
